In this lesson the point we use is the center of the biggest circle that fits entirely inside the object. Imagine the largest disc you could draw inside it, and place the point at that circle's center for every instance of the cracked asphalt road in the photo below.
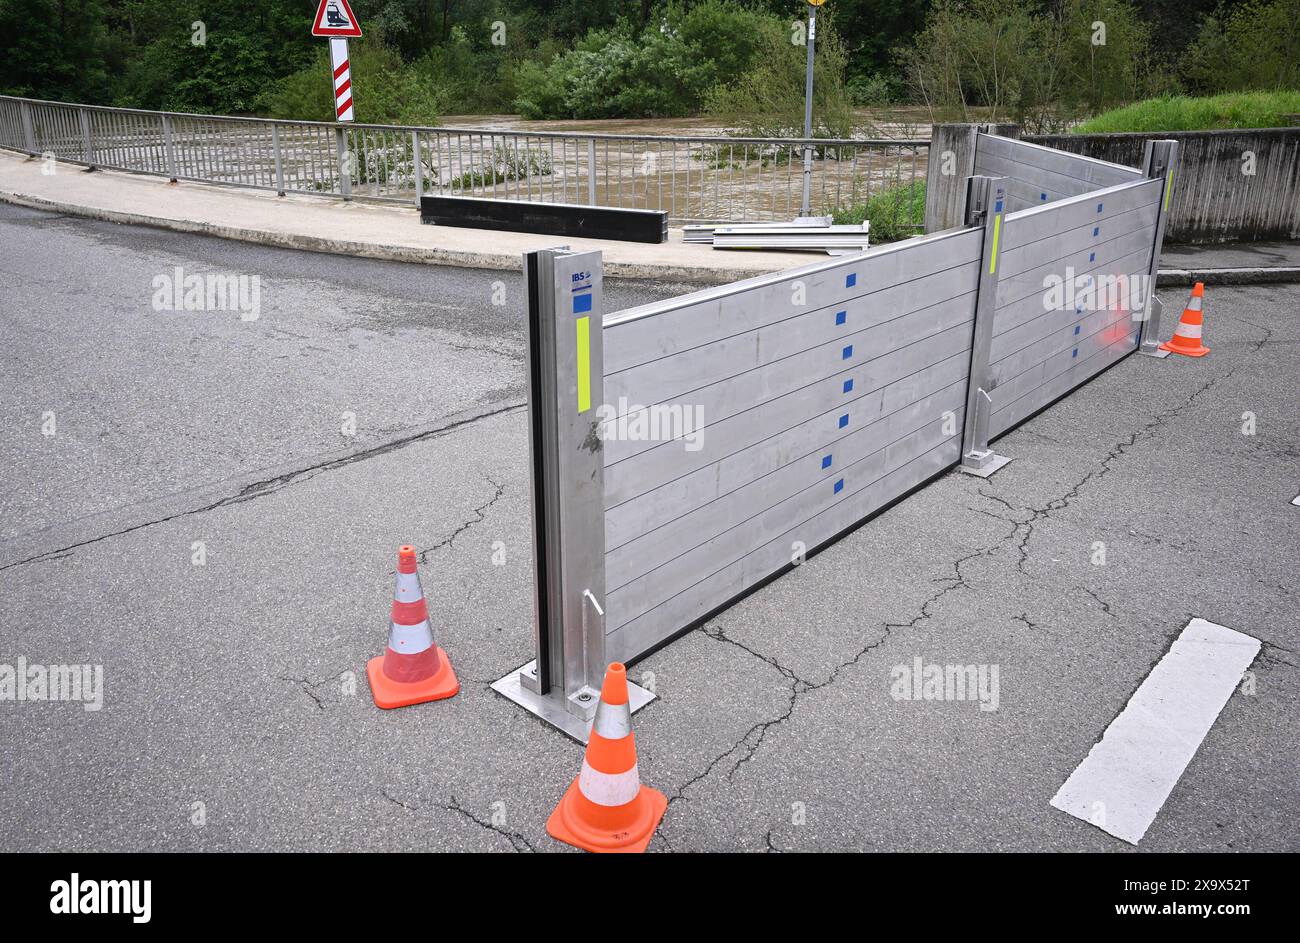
(235, 694)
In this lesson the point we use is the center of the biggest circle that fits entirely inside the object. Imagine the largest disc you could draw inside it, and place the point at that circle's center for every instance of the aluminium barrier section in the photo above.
(1037, 174)
(685, 452)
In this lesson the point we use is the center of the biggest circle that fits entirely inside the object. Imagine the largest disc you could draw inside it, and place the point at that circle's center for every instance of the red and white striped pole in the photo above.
(342, 78)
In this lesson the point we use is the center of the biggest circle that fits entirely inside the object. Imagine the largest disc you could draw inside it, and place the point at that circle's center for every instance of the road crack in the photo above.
(261, 489)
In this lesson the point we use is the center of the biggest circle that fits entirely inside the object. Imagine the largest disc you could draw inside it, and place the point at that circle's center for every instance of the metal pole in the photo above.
(87, 141)
(985, 202)
(279, 160)
(419, 167)
(807, 113)
(1160, 159)
(565, 393)
(345, 169)
(591, 171)
(169, 145)
(29, 127)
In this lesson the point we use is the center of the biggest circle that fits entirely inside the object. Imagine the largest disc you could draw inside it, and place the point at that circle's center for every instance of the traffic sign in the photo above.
(335, 18)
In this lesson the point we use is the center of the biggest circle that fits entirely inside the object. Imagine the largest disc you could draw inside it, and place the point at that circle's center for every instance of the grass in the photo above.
(1182, 113)
(895, 213)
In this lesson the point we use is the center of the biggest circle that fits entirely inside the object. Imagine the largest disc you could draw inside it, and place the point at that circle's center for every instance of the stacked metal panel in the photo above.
(825, 393)
(1071, 277)
(1037, 175)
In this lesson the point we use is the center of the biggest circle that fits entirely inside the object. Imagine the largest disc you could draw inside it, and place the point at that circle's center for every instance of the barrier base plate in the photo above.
(1153, 351)
(992, 465)
(551, 707)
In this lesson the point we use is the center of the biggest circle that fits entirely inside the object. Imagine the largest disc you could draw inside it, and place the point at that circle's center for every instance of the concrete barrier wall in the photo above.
(1214, 198)
(826, 392)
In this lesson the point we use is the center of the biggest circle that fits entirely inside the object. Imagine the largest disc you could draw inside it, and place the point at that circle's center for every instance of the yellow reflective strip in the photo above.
(1169, 186)
(584, 365)
(997, 232)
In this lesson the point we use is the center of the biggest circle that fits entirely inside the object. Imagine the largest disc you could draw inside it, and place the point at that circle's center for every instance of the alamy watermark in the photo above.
(212, 291)
(1089, 292)
(662, 422)
(921, 682)
(23, 682)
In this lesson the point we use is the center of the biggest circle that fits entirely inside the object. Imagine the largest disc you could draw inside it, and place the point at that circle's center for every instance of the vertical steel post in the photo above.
(807, 113)
(1160, 159)
(29, 127)
(591, 171)
(169, 146)
(345, 163)
(87, 142)
(565, 393)
(419, 167)
(279, 160)
(985, 203)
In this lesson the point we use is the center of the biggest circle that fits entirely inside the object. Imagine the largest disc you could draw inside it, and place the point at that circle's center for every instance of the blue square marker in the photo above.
(826, 461)
(581, 303)
(1042, 196)
(1092, 257)
(1096, 230)
(848, 386)
(839, 486)
(841, 317)
(850, 280)
(1099, 206)
(1078, 328)
(1075, 354)
(844, 420)
(846, 353)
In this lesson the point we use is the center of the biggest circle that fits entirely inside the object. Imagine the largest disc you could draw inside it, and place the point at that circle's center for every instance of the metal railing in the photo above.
(696, 179)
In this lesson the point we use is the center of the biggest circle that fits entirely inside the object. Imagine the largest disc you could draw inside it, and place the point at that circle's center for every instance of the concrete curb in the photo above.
(505, 262)
(371, 250)
(1186, 278)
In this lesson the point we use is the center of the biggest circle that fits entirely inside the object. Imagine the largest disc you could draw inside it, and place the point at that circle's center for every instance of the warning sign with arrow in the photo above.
(335, 18)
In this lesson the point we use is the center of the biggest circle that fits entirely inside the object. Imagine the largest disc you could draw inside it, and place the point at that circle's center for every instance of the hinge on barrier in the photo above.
(976, 208)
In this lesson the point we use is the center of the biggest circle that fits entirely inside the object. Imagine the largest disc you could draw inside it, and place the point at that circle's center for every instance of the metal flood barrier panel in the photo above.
(820, 392)
(1100, 244)
(686, 451)
(1037, 175)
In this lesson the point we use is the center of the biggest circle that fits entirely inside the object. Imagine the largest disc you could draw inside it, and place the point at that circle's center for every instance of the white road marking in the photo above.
(1296, 500)
(1127, 776)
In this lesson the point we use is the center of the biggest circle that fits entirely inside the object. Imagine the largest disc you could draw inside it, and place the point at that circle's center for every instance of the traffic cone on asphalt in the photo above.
(1187, 336)
(606, 808)
(413, 669)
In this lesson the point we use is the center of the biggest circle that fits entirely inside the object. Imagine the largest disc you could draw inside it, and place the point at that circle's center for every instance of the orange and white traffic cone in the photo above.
(413, 669)
(1187, 336)
(606, 808)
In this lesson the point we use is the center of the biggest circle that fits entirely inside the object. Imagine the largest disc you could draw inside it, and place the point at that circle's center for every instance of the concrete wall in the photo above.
(952, 160)
(1214, 200)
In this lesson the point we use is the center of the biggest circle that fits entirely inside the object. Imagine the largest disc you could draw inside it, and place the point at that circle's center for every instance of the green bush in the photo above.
(895, 213)
(1253, 48)
(662, 71)
(1181, 113)
(388, 90)
(1018, 60)
(768, 99)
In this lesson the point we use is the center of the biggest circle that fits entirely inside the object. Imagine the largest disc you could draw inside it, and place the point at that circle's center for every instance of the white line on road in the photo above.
(1126, 777)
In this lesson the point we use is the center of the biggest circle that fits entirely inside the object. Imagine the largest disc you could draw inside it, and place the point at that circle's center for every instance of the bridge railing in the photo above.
(696, 179)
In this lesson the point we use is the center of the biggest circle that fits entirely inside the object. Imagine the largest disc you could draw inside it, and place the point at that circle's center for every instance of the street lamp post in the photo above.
(807, 108)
